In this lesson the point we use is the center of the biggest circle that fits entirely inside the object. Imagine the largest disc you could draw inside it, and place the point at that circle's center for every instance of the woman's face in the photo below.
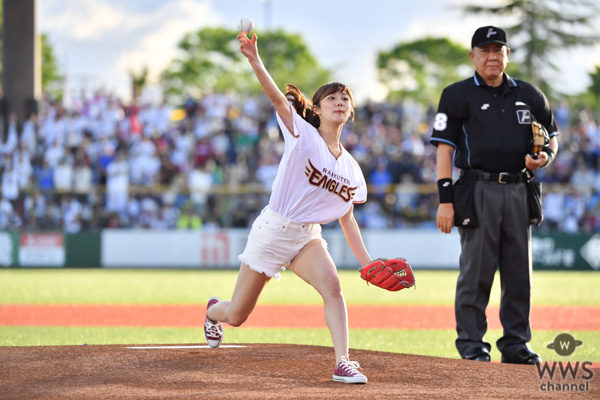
(335, 107)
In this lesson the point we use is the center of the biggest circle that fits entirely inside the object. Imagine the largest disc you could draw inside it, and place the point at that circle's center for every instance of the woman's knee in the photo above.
(230, 314)
(236, 319)
(330, 286)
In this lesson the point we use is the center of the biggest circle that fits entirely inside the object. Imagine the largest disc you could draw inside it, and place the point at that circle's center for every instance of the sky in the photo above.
(97, 42)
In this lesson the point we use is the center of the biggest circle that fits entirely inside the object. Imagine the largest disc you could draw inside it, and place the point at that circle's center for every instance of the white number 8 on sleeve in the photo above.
(441, 122)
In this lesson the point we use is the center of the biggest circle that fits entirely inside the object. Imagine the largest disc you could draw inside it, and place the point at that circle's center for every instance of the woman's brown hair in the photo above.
(304, 107)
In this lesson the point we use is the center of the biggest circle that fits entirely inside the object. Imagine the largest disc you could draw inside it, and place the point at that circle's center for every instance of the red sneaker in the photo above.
(213, 331)
(347, 371)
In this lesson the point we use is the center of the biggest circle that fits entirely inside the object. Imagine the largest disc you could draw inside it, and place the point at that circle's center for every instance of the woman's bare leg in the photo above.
(248, 287)
(315, 266)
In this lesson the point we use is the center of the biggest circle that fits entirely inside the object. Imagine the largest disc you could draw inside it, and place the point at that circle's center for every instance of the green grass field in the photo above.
(102, 286)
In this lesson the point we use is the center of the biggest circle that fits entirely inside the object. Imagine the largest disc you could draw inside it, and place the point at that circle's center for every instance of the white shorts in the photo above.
(274, 241)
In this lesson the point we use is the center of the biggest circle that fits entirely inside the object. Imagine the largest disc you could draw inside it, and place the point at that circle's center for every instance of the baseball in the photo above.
(246, 25)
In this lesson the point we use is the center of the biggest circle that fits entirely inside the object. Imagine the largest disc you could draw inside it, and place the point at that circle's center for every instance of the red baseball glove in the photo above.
(393, 274)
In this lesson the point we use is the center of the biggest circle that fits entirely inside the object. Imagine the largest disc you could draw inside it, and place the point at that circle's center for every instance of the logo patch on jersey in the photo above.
(524, 117)
(329, 181)
(485, 106)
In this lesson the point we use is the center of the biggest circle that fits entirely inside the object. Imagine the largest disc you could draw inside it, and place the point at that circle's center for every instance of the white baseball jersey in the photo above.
(311, 185)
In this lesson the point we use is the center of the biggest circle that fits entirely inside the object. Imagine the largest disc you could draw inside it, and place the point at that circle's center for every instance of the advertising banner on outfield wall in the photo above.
(566, 251)
(219, 249)
(216, 249)
(172, 249)
(42, 250)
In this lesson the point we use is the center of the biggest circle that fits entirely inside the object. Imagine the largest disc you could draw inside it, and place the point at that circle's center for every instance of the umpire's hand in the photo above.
(534, 163)
(445, 217)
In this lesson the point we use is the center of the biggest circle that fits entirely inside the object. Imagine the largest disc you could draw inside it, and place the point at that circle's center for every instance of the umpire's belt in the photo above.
(500, 177)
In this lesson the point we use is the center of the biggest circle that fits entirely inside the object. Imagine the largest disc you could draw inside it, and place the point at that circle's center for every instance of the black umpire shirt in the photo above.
(490, 128)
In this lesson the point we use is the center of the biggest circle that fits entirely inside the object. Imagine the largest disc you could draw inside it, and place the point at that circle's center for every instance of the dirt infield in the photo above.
(264, 371)
(284, 316)
(268, 370)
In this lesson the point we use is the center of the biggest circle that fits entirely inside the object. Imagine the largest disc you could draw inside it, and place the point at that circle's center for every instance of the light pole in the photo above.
(21, 62)
(267, 14)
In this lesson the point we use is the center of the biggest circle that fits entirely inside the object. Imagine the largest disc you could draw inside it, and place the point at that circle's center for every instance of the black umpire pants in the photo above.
(501, 242)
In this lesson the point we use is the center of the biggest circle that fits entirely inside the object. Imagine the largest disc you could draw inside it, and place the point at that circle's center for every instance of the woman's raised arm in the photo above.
(249, 49)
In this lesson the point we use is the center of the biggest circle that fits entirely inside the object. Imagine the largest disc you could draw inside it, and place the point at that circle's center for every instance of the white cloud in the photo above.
(168, 24)
(99, 41)
(81, 20)
(102, 41)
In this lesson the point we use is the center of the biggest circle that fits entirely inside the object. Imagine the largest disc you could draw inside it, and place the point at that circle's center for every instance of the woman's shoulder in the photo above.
(303, 125)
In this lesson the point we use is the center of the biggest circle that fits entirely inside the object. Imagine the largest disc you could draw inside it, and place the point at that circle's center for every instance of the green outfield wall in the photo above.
(119, 248)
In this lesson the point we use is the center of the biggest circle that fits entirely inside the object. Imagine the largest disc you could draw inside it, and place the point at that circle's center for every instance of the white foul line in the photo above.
(183, 347)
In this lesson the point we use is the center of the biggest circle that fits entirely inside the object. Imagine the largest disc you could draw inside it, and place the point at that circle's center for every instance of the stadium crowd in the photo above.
(102, 164)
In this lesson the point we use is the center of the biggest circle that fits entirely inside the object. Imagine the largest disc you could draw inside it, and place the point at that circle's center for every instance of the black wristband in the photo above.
(445, 190)
(550, 153)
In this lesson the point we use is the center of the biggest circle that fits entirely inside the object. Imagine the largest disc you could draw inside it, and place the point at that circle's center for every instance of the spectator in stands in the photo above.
(380, 177)
(29, 134)
(63, 175)
(10, 184)
(71, 210)
(117, 184)
(24, 169)
(10, 140)
(189, 219)
(199, 184)
(82, 179)
(9, 220)
(235, 136)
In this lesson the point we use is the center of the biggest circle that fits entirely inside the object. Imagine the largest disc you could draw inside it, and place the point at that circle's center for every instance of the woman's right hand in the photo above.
(248, 46)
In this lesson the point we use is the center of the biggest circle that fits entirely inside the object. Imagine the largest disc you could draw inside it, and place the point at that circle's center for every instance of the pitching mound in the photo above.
(257, 371)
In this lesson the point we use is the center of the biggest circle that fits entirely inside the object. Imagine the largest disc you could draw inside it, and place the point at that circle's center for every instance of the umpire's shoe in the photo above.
(523, 356)
(478, 354)
(213, 331)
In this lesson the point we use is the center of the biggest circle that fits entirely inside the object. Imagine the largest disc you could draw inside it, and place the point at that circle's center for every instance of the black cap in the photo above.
(488, 34)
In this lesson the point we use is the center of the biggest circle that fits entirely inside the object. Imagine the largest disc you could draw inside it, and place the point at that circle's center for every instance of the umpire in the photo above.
(483, 124)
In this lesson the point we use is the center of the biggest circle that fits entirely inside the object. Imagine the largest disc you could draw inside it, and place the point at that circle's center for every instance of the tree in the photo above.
(590, 99)
(594, 88)
(422, 68)
(542, 27)
(51, 78)
(138, 82)
(211, 60)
